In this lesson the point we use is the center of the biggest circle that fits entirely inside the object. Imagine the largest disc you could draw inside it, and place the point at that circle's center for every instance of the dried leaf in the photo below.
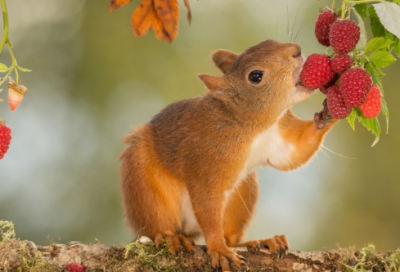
(117, 3)
(158, 27)
(143, 17)
(189, 13)
(168, 12)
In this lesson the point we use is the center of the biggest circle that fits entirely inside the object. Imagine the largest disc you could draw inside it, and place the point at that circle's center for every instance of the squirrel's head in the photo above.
(265, 77)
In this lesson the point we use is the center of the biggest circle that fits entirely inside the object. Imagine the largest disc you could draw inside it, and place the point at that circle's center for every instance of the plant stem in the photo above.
(333, 5)
(4, 38)
(14, 62)
(362, 1)
(343, 9)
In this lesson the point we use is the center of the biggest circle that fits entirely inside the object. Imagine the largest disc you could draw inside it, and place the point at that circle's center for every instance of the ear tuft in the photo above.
(217, 85)
(224, 59)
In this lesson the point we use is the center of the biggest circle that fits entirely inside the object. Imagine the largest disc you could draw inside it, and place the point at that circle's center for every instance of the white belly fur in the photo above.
(268, 148)
(190, 227)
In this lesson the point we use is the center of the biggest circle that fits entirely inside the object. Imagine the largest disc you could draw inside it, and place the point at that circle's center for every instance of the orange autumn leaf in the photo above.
(159, 29)
(143, 17)
(117, 3)
(189, 13)
(168, 12)
(161, 15)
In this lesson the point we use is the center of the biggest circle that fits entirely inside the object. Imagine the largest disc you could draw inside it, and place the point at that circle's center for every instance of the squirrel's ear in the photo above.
(217, 85)
(223, 59)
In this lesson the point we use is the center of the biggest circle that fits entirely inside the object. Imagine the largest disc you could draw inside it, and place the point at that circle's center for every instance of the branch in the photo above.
(15, 254)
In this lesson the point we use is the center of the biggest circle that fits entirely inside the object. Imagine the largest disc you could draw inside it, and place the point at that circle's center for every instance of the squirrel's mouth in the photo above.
(300, 87)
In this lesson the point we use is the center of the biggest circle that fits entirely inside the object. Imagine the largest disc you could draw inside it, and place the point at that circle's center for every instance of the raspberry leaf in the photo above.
(363, 34)
(377, 43)
(361, 10)
(372, 124)
(3, 68)
(382, 58)
(377, 28)
(24, 69)
(352, 118)
(389, 15)
(385, 112)
(397, 48)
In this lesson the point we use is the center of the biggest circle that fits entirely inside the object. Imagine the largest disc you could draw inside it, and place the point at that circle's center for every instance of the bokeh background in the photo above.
(93, 81)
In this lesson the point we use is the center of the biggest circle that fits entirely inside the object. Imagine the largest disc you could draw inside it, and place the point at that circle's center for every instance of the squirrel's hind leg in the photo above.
(151, 197)
(238, 213)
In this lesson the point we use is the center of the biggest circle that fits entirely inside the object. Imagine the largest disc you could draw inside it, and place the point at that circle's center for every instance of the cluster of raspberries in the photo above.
(346, 87)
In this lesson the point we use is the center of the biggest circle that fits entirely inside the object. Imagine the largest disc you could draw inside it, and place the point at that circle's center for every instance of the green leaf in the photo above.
(377, 43)
(385, 112)
(376, 74)
(3, 68)
(382, 58)
(23, 69)
(351, 118)
(397, 1)
(377, 28)
(397, 47)
(372, 124)
(362, 10)
(363, 34)
(389, 15)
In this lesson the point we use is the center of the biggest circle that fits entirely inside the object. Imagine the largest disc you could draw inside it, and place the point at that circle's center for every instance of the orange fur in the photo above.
(190, 171)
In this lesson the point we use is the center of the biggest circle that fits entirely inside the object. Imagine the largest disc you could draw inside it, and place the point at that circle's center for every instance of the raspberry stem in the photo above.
(362, 1)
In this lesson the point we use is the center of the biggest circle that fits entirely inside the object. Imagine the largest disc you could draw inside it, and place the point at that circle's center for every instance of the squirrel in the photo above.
(191, 171)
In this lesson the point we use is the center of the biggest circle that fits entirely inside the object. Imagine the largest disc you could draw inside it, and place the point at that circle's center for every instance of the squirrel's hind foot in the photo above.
(177, 243)
(277, 245)
(222, 259)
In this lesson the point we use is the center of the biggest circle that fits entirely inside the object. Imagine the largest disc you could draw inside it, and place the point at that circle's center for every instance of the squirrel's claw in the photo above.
(323, 118)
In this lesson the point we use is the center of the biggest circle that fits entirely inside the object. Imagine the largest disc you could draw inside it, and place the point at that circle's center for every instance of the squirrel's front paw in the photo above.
(226, 256)
(323, 118)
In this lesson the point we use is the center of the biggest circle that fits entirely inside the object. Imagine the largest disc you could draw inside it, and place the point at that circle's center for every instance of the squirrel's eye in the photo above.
(255, 77)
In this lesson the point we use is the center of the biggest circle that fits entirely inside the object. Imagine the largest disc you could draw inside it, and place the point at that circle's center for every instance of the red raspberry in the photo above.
(341, 62)
(344, 36)
(316, 71)
(336, 104)
(322, 26)
(373, 104)
(75, 267)
(354, 85)
(5, 138)
(324, 89)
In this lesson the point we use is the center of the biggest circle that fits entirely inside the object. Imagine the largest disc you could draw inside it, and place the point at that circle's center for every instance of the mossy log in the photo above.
(16, 255)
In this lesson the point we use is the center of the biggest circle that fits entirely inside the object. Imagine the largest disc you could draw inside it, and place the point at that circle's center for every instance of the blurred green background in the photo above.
(93, 81)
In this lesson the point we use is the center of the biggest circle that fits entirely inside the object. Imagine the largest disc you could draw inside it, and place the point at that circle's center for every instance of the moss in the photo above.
(367, 259)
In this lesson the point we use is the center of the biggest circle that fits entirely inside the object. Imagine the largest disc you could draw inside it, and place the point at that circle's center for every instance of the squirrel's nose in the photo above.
(298, 54)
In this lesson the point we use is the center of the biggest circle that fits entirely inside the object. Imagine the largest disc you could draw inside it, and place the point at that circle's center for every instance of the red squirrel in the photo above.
(191, 171)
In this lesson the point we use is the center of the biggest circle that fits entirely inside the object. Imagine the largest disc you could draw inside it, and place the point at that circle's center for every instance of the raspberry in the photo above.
(324, 89)
(373, 104)
(322, 26)
(5, 138)
(336, 104)
(340, 63)
(344, 36)
(354, 85)
(316, 71)
(75, 267)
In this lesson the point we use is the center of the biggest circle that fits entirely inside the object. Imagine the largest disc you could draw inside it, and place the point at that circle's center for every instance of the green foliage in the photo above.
(362, 10)
(377, 43)
(382, 59)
